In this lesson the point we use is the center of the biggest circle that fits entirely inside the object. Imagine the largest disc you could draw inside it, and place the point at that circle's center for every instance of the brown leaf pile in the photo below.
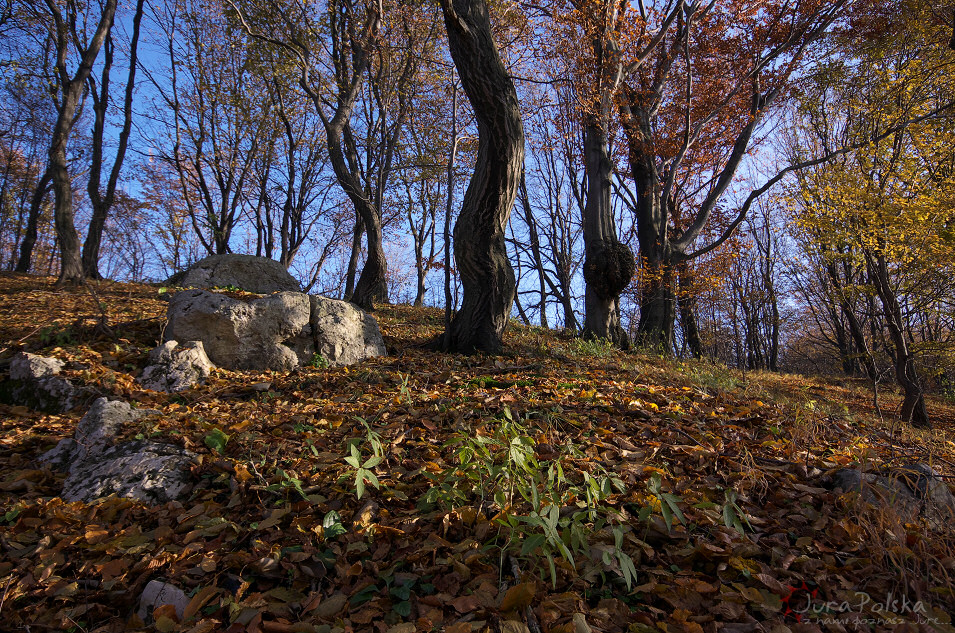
(273, 537)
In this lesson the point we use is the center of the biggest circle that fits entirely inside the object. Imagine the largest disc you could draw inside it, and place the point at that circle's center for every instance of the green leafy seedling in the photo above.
(732, 513)
(363, 471)
(669, 507)
(332, 525)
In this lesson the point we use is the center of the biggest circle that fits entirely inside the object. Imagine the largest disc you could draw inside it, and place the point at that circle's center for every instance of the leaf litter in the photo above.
(558, 487)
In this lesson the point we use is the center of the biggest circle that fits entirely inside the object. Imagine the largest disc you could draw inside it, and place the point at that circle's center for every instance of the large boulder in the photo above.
(97, 466)
(342, 333)
(35, 383)
(265, 333)
(174, 367)
(911, 490)
(278, 332)
(247, 272)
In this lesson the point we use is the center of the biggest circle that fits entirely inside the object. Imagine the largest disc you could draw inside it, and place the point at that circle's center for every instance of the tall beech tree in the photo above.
(615, 40)
(690, 116)
(102, 199)
(67, 41)
(479, 238)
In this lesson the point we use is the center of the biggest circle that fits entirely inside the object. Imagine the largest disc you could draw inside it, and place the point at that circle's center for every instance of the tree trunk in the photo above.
(687, 305)
(353, 259)
(657, 307)
(102, 203)
(913, 401)
(71, 265)
(372, 286)
(452, 157)
(658, 304)
(33, 220)
(479, 245)
(608, 264)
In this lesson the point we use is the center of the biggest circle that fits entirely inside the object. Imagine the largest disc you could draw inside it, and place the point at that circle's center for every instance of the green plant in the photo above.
(363, 469)
(542, 515)
(594, 348)
(10, 516)
(318, 361)
(484, 382)
(216, 439)
(54, 334)
(668, 502)
(288, 482)
(403, 388)
(332, 526)
(733, 515)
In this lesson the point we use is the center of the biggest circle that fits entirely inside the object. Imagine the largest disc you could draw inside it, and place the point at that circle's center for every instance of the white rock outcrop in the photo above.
(278, 332)
(97, 466)
(246, 272)
(35, 383)
(173, 367)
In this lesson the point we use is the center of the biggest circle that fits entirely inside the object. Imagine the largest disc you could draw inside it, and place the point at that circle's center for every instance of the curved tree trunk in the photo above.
(479, 246)
(372, 285)
(608, 263)
(913, 401)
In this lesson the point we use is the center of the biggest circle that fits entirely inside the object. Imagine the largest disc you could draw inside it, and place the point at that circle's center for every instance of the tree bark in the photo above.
(479, 244)
(913, 401)
(71, 88)
(452, 158)
(608, 264)
(352, 271)
(687, 305)
(33, 220)
(102, 202)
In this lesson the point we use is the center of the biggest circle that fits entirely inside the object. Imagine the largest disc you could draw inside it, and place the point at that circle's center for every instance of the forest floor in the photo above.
(561, 486)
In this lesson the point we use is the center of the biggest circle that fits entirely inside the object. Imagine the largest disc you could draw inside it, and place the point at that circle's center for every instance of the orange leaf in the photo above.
(518, 596)
(198, 601)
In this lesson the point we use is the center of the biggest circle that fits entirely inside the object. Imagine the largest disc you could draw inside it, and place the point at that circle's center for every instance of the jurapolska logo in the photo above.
(804, 603)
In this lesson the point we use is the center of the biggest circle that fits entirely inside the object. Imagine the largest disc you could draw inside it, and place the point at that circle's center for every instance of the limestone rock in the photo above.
(174, 367)
(278, 332)
(343, 333)
(32, 367)
(260, 334)
(158, 593)
(35, 383)
(912, 490)
(150, 472)
(247, 272)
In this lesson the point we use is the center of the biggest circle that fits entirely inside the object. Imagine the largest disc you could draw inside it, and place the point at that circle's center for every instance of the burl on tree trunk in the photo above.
(609, 264)
(479, 246)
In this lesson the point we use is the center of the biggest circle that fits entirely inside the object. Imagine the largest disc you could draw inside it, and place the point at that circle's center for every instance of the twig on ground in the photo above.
(532, 625)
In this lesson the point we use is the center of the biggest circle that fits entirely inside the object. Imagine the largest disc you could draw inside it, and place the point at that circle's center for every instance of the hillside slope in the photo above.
(608, 491)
